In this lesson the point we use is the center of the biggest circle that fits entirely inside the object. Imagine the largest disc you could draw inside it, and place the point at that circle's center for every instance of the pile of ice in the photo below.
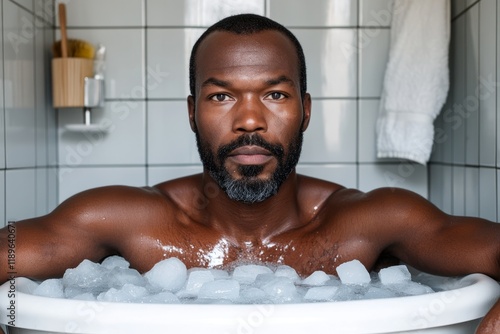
(170, 282)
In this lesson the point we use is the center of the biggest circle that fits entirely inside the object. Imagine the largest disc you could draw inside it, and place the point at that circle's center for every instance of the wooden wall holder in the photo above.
(68, 81)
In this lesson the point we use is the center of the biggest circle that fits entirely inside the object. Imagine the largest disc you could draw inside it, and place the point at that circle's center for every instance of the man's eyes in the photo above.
(220, 97)
(276, 96)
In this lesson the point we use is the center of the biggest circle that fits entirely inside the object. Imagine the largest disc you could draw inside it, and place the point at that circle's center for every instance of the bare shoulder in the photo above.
(90, 225)
(387, 213)
(111, 203)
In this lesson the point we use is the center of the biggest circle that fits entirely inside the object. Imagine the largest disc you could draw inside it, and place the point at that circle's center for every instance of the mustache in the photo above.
(250, 139)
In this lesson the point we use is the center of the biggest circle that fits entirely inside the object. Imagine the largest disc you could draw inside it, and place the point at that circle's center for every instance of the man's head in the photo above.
(247, 24)
(248, 106)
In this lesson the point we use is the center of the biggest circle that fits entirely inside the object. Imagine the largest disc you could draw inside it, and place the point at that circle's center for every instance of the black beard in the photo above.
(248, 188)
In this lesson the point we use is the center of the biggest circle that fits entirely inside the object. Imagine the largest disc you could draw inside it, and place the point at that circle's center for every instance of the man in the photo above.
(248, 108)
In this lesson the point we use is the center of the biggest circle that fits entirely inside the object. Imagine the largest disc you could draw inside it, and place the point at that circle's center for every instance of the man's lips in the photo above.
(250, 155)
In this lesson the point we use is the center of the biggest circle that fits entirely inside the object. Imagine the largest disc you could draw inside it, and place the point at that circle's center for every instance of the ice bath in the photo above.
(456, 307)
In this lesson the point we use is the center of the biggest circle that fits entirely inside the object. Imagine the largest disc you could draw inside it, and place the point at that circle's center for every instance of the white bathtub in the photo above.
(456, 310)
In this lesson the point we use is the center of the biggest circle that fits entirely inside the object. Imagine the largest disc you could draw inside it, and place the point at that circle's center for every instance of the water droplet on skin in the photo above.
(215, 257)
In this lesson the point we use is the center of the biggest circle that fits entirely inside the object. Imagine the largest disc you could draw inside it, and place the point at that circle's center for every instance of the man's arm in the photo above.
(426, 238)
(491, 322)
(432, 241)
(89, 225)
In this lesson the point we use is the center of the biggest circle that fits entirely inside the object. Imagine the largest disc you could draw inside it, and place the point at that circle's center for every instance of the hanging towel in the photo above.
(416, 80)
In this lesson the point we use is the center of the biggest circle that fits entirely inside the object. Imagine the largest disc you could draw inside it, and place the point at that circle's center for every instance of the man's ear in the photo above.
(306, 105)
(191, 109)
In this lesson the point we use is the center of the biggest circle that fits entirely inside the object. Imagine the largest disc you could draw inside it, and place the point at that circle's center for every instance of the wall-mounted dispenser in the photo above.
(77, 76)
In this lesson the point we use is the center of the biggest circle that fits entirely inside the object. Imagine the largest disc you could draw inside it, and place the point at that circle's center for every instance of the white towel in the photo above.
(416, 80)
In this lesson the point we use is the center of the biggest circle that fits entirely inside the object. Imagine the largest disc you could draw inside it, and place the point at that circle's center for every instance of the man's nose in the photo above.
(250, 115)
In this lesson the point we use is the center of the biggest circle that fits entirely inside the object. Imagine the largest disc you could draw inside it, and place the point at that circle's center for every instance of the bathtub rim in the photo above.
(396, 314)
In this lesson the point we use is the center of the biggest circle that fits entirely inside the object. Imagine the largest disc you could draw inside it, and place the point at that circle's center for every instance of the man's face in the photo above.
(248, 115)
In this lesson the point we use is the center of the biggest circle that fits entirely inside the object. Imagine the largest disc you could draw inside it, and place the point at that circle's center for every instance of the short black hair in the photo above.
(246, 24)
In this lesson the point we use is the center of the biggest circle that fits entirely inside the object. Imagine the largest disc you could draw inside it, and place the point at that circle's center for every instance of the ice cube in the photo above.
(72, 291)
(378, 292)
(197, 278)
(353, 272)
(50, 288)
(169, 274)
(410, 289)
(262, 279)
(351, 292)
(220, 289)
(252, 295)
(219, 273)
(115, 261)
(246, 274)
(394, 274)
(120, 276)
(321, 293)
(281, 290)
(87, 275)
(287, 271)
(128, 293)
(317, 278)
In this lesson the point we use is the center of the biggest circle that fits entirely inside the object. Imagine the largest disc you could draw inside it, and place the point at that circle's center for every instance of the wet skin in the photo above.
(244, 85)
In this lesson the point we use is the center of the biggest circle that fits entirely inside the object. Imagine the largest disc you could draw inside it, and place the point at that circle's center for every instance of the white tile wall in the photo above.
(487, 89)
(498, 90)
(331, 56)
(75, 180)
(375, 13)
(459, 86)
(2, 110)
(20, 187)
(123, 141)
(447, 205)
(160, 174)
(27, 126)
(401, 175)
(198, 12)
(469, 155)
(168, 66)
(103, 13)
(488, 193)
(498, 196)
(41, 191)
(40, 96)
(125, 60)
(472, 98)
(27, 4)
(324, 13)
(342, 174)
(3, 221)
(457, 6)
(458, 191)
(45, 10)
(368, 111)
(331, 136)
(374, 54)
(19, 88)
(436, 178)
(170, 139)
(471, 191)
